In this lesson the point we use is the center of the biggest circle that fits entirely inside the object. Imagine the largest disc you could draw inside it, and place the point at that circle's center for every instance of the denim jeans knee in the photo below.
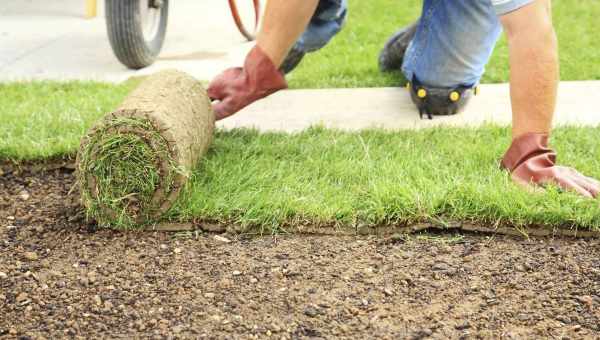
(324, 25)
(453, 43)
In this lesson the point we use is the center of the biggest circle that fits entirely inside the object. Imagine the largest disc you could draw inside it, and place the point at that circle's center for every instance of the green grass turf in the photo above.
(374, 177)
(350, 60)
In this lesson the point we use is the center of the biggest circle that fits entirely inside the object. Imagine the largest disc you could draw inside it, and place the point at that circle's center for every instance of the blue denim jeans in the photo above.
(324, 25)
(452, 45)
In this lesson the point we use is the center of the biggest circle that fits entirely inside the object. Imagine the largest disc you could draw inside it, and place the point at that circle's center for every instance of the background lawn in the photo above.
(44, 119)
(350, 60)
(47, 119)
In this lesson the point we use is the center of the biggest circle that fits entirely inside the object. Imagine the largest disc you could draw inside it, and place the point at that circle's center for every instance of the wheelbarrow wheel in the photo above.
(248, 27)
(136, 30)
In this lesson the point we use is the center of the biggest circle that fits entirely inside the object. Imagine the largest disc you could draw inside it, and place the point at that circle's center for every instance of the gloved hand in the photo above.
(531, 161)
(238, 87)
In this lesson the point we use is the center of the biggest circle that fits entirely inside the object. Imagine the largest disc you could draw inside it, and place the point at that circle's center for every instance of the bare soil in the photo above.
(61, 277)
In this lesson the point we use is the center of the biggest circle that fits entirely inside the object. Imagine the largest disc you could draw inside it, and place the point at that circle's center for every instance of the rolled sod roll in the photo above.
(133, 163)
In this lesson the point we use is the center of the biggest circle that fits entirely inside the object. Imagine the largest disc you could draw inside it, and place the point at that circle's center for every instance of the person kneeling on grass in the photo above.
(443, 55)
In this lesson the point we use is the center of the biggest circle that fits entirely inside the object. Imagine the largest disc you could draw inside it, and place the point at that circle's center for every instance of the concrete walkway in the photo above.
(391, 108)
(42, 39)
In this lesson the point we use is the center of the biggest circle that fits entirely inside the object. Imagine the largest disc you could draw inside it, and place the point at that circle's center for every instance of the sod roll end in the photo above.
(133, 163)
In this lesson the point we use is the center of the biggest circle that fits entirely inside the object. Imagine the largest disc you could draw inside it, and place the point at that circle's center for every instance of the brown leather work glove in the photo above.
(531, 161)
(238, 87)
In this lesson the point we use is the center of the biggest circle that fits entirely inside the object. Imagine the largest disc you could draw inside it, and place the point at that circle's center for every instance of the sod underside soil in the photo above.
(63, 277)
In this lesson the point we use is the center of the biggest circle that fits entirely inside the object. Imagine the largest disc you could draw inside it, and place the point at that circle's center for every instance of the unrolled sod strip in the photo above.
(133, 163)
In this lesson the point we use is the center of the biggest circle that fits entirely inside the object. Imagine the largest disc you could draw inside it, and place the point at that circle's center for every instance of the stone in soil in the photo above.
(30, 256)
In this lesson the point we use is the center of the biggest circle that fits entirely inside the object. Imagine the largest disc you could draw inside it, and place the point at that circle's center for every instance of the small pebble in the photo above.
(91, 277)
(440, 266)
(221, 239)
(30, 256)
(24, 195)
(462, 326)
(311, 311)
(587, 300)
(21, 297)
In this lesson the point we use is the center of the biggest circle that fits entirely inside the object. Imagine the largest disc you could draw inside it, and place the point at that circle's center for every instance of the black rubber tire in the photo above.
(125, 32)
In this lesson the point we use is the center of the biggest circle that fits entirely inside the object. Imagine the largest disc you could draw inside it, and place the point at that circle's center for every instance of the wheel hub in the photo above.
(150, 12)
(156, 4)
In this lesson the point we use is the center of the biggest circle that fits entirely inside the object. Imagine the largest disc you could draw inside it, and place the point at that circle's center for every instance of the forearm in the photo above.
(534, 67)
(533, 86)
(283, 23)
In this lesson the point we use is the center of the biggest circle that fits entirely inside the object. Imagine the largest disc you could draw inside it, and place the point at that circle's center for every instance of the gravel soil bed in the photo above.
(61, 277)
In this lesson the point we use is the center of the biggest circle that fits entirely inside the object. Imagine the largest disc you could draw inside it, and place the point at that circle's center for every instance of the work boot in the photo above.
(432, 101)
(392, 55)
(292, 60)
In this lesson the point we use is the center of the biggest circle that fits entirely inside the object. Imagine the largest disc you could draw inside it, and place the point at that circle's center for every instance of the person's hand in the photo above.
(238, 87)
(531, 161)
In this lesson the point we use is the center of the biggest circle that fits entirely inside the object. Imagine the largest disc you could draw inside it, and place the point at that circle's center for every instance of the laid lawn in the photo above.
(373, 177)
(350, 60)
